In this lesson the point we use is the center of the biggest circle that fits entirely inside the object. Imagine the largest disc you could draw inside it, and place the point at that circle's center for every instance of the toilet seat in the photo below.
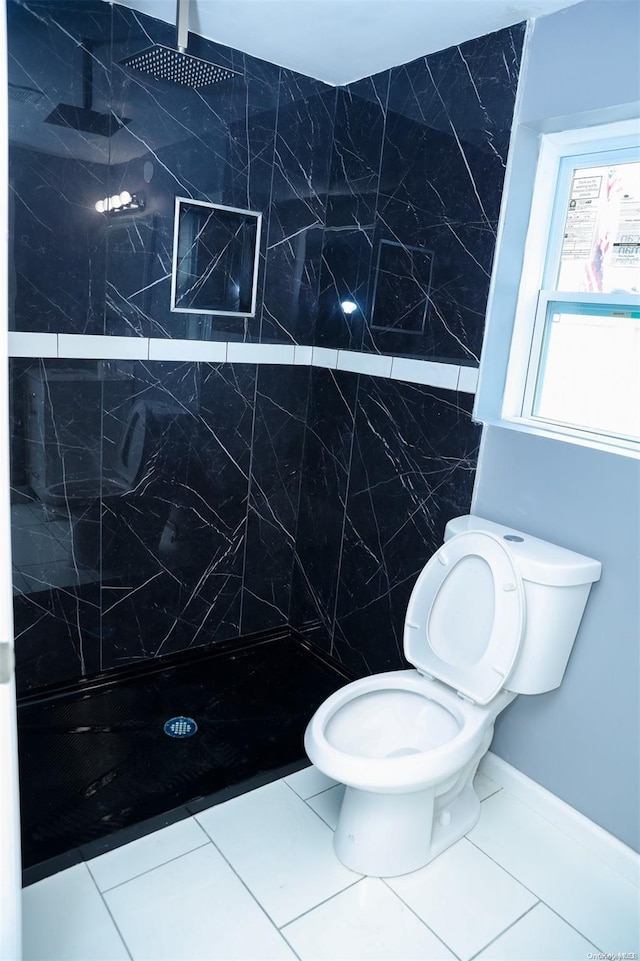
(466, 615)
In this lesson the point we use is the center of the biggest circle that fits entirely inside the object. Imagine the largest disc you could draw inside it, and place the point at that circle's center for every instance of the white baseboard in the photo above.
(605, 846)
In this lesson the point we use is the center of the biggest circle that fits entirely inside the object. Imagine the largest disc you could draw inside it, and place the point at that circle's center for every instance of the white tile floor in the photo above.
(256, 878)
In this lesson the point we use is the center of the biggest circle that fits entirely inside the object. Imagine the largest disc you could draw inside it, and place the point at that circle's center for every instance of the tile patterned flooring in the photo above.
(256, 878)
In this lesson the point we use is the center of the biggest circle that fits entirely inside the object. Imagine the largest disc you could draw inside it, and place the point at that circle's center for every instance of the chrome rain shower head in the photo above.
(178, 66)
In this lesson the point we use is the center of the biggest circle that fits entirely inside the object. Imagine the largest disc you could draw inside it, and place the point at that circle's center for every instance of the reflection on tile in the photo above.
(191, 907)
(464, 882)
(109, 764)
(365, 922)
(414, 453)
(288, 836)
(47, 543)
(323, 492)
(277, 446)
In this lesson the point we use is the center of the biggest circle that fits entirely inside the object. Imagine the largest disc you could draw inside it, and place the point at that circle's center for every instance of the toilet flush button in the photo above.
(509, 586)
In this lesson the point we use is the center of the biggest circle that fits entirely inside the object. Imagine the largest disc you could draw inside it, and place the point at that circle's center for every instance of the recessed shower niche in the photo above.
(215, 259)
(402, 287)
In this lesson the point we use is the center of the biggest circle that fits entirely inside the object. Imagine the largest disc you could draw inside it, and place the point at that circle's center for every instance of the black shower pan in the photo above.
(100, 763)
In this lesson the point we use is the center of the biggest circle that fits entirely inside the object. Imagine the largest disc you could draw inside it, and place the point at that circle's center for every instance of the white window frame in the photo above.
(559, 154)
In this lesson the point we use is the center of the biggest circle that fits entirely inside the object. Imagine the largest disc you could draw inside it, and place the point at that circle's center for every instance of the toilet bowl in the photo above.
(98, 507)
(494, 613)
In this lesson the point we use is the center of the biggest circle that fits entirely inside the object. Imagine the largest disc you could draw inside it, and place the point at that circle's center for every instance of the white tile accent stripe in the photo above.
(208, 351)
(238, 353)
(425, 372)
(325, 357)
(96, 347)
(23, 344)
(303, 356)
(468, 379)
(362, 363)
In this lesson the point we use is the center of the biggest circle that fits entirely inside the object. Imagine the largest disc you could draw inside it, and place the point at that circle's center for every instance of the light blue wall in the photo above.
(581, 741)
(582, 59)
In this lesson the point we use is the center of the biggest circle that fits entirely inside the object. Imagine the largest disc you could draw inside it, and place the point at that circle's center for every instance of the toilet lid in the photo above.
(465, 618)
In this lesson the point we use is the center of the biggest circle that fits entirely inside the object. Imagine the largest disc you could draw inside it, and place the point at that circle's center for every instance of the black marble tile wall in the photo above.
(414, 456)
(414, 156)
(418, 161)
(260, 140)
(282, 395)
(386, 466)
(212, 144)
(159, 506)
(58, 64)
(351, 212)
(323, 496)
(154, 508)
(297, 212)
(417, 170)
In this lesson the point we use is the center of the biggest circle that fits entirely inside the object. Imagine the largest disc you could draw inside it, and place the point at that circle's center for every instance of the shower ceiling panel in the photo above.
(339, 41)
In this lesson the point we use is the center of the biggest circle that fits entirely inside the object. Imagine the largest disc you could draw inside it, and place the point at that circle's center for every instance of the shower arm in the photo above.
(182, 24)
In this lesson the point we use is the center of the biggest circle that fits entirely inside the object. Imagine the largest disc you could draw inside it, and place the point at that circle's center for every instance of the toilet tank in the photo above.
(557, 584)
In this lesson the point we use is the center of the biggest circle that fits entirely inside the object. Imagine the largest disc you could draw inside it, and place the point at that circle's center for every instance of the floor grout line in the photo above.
(247, 888)
(108, 909)
(358, 879)
(155, 866)
(331, 897)
(539, 899)
(508, 928)
(421, 920)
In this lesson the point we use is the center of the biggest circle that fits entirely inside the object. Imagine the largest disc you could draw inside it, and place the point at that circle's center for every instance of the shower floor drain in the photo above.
(180, 727)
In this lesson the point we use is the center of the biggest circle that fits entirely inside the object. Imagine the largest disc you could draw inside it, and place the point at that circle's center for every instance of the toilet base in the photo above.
(385, 835)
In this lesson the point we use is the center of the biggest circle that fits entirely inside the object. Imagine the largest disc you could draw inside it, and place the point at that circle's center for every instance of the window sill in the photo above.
(606, 445)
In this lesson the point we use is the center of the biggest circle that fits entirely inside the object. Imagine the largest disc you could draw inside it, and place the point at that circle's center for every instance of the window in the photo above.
(574, 367)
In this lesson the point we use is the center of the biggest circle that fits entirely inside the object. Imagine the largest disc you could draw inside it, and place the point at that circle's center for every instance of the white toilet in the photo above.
(493, 614)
